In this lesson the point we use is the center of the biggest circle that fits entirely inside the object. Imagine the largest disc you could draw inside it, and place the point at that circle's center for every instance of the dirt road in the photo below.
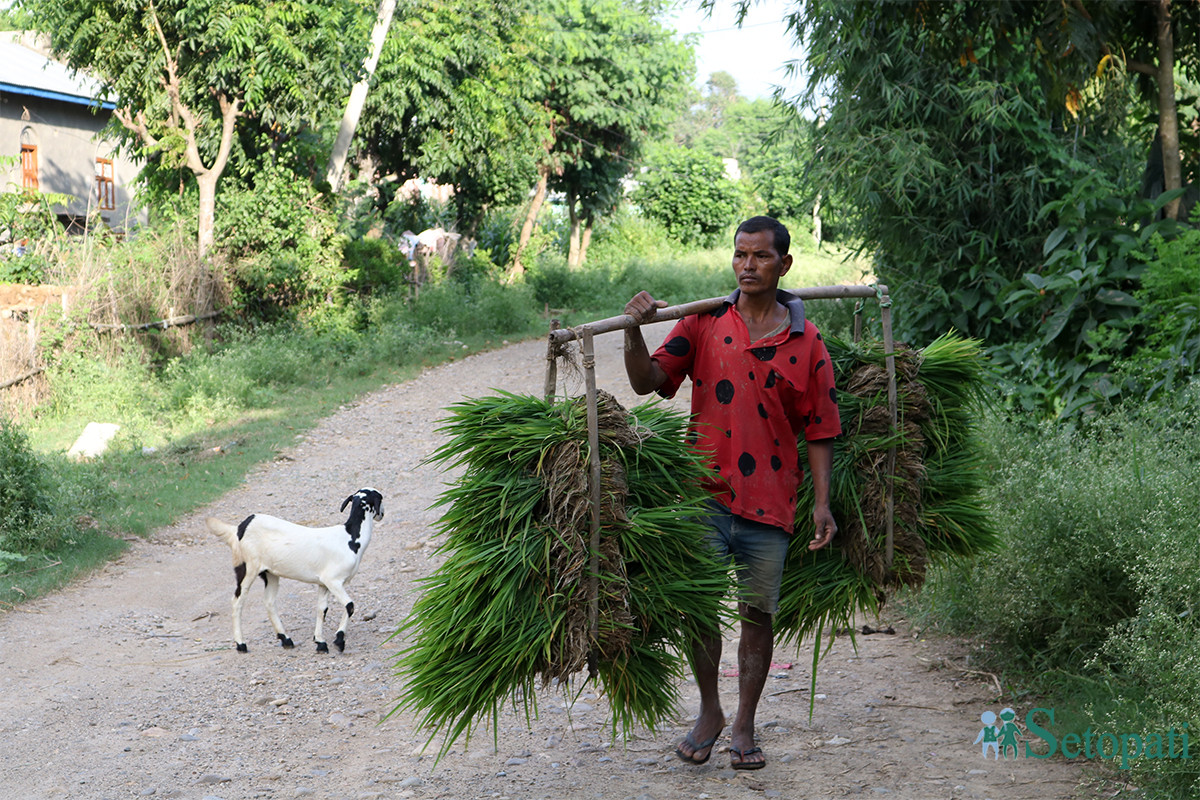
(126, 684)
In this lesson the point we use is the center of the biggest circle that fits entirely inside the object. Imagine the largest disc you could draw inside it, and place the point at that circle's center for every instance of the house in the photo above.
(52, 117)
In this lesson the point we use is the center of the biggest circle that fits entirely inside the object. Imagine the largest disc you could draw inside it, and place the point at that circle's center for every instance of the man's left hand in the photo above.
(825, 528)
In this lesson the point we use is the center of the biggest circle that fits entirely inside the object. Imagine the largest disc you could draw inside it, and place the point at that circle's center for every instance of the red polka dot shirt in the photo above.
(751, 404)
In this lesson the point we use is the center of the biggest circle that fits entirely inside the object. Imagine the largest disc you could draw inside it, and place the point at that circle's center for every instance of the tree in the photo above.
(688, 192)
(452, 102)
(185, 74)
(987, 152)
(948, 127)
(358, 96)
(611, 78)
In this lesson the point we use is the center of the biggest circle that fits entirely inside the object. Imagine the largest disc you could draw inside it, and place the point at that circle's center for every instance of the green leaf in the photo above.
(1054, 239)
(1115, 297)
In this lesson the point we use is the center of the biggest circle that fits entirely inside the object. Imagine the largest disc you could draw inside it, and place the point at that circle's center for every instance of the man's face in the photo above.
(757, 265)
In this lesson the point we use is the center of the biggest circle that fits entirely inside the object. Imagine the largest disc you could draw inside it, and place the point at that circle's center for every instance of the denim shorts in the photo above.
(757, 552)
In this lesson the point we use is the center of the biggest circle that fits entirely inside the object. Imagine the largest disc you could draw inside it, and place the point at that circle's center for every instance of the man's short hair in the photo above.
(783, 239)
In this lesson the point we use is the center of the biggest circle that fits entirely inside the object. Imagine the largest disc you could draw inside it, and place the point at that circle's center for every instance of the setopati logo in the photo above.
(1003, 737)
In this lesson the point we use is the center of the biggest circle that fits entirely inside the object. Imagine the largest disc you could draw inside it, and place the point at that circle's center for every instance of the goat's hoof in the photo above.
(322, 647)
(350, 609)
(340, 641)
(286, 641)
(241, 647)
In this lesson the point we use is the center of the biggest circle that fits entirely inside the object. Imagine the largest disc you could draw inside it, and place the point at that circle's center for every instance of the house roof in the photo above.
(26, 71)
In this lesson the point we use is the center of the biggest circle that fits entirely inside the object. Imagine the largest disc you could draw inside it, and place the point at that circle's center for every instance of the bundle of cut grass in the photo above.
(509, 608)
(937, 476)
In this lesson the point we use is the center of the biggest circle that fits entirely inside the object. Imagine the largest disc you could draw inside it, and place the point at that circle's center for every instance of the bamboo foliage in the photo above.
(507, 611)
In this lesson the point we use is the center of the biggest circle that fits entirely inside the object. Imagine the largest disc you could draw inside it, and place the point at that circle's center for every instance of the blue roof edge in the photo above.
(66, 98)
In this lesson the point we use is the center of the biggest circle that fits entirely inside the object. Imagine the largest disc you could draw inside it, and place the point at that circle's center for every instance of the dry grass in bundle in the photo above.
(509, 609)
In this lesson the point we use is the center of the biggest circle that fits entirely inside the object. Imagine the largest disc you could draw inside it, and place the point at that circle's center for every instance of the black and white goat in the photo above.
(272, 548)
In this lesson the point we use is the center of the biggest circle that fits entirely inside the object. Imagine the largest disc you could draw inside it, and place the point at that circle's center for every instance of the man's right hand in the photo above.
(644, 373)
(642, 307)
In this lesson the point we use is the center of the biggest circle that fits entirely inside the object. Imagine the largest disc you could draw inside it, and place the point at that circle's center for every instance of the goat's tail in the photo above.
(228, 533)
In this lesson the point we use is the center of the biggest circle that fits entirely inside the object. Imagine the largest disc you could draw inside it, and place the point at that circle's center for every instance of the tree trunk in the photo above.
(358, 97)
(206, 182)
(573, 246)
(1168, 119)
(586, 239)
(816, 218)
(535, 207)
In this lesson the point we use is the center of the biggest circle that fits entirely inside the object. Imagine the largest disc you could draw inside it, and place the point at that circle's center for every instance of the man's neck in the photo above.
(759, 307)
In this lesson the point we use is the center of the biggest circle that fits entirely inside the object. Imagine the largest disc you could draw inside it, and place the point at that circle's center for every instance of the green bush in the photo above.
(689, 194)
(1073, 504)
(25, 495)
(1170, 313)
(1079, 312)
(454, 309)
(1099, 578)
(373, 266)
(627, 236)
(604, 288)
(40, 498)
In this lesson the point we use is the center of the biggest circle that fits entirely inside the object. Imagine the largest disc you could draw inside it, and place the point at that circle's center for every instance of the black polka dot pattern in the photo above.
(679, 346)
(764, 353)
(724, 392)
(728, 340)
(762, 411)
(776, 464)
(746, 464)
(771, 377)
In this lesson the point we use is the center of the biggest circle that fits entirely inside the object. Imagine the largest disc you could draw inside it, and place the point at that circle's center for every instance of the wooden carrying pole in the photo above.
(593, 423)
(588, 330)
(702, 306)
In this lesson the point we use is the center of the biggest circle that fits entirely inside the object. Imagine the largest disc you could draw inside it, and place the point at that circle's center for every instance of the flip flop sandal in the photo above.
(696, 746)
(742, 763)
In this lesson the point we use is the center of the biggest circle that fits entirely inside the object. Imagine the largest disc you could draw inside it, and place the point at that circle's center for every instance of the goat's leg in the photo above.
(270, 592)
(339, 593)
(242, 588)
(322, 609)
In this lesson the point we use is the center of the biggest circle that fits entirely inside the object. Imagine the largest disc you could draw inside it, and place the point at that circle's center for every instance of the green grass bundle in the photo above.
(937, 475)
(509, 608)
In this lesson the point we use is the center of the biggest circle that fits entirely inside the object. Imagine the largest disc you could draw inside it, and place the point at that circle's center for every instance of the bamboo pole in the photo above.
(593, 423)
(551, 385)
(889, 349)
(701, 306)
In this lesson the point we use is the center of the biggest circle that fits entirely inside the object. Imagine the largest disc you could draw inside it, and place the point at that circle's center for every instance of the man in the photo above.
(761, 377)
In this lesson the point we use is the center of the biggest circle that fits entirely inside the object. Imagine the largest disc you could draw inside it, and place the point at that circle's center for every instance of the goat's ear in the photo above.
(345, 503)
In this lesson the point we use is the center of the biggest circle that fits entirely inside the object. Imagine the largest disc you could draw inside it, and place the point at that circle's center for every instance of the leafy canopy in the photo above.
(286, 60)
